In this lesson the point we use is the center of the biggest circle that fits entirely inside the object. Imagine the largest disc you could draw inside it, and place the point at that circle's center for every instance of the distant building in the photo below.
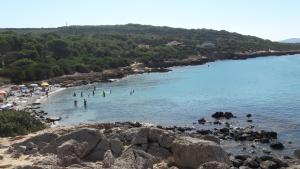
(174, 43)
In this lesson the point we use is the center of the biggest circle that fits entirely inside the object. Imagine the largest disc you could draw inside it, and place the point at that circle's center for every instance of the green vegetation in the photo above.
(14, 123)
(36, 54)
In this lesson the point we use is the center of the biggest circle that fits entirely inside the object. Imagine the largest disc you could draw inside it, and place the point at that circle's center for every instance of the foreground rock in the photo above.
(118, 146)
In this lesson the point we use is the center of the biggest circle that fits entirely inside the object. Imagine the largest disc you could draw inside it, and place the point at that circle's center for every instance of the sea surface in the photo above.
(266, 87)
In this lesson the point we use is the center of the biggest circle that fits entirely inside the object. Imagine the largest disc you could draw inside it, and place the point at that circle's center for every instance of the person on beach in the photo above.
(93, 92)
(81, 94)
(94, 88)
(103, 93)
(47, 93)
(75, 103)
(74, 94)
(109, 91)
(85, 103)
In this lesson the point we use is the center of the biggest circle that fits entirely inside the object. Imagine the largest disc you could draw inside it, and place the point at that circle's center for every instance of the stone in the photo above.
(20, 149)
(91, 136)
(277, 146)
(249, 115)
(72, 147)
(116, 147)
(236, 162)
(297, 153)
(157, 151)
(214, 165)
(40, 140)
(211, 138)
(108, 160)
(134, 159)
(141, 136)
(250, 162)
(202, 121)
(30, 146)
(97, 154)
(269, 165)
(192, 152)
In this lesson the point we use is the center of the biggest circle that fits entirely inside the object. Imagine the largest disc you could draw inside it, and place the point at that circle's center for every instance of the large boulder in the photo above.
(164, 138)
(297, 153)
(91, 136)
(97, 154)
(134, 159)
(141, 136)
(108, 160)
(40, 140)
(192, 152)
(116, 147)
(214, 165)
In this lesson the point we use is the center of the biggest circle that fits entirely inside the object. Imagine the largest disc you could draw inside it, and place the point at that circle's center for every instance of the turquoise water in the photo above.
(267, 87)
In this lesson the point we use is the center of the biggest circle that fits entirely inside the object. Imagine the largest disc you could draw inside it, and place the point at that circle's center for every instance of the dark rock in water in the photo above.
(249, 121)
(202, 121)
(237, 162)
(217, 122)
(277, 146)
(242, 157)
(249, 115)
(227, 115)
(204, 132)
(224, 130)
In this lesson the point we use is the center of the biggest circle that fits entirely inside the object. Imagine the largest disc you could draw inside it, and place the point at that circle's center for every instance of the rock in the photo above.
(252, 163)
(72, 147)
(249, 121)
(134, 159)
(164, 138)
(108, 160)
(277, 146)
(192, 152)
(227, 115)
(249, 115)
(214, 165)
(98, 152)
(244, 167)
(202, 121)
(158, 151)
(90, 136)
(297, 153)
(40, 140)
(236, 162)
(224, 130)
(268, 165)
(20, 149)
(30, 146)
(116, 147)
(141, 136)
(211, 138)
(204, 132)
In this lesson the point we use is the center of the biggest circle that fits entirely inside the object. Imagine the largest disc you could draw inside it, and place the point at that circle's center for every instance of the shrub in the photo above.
(14, 123)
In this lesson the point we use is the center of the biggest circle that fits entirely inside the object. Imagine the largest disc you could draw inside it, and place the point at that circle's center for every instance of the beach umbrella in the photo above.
(3, 93)
(34, 85)
(45, 84)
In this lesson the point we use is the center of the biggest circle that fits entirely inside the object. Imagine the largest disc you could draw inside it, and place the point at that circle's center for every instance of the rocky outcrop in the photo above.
(192, 152)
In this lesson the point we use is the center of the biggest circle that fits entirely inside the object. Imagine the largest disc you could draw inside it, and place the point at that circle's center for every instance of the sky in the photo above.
(268, 19)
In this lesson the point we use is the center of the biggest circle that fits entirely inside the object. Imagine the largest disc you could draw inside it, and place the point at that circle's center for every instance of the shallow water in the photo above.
(267, 87)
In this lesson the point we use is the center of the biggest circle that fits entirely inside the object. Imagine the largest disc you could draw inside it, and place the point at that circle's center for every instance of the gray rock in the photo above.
(134, 159)
(158, 151)
(108, 160)
(97, 154)
(116, 147)
(72, 147)
(30, 146)
(250, 162)
(297, 153)
(164, 138)
(211, 138)
(141, 136)
(192, 152)
(40, 140)
(20, 149)
(91, 136)
(214, 165)
(269, 165)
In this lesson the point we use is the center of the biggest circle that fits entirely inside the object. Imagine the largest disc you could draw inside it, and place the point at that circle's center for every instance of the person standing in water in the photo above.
(81, 94)
(94, 88)
(74, 94)
(75, 103)
(85, 103)
(93, 92)
(103, 93)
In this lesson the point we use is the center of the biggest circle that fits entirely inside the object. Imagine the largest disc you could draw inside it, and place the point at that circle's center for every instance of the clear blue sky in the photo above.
(269, 19)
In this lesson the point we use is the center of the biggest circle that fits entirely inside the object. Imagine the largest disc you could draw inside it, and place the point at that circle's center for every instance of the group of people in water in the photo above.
(93, 93)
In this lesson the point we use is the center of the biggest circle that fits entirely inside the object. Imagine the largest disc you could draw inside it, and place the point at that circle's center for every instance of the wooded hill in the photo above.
(29, 54)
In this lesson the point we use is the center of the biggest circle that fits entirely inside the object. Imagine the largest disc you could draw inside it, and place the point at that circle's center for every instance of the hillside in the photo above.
(30, 54)
(292, 40)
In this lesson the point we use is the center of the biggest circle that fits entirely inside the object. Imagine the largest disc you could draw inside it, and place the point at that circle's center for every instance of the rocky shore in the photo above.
(129, 146)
